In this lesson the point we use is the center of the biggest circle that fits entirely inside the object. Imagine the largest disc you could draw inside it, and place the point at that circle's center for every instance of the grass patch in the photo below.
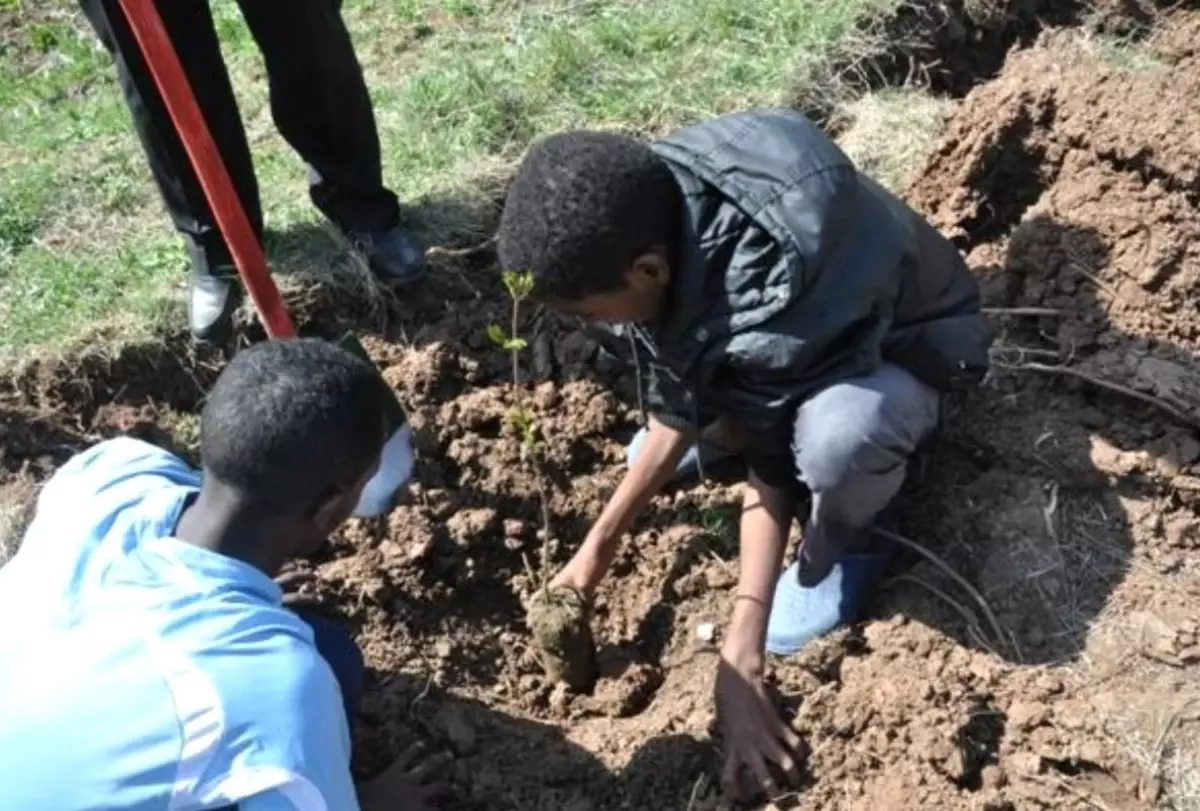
(459, 86)
(1129, 54)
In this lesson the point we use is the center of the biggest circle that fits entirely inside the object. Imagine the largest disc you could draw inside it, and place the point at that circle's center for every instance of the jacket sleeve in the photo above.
(667, 399)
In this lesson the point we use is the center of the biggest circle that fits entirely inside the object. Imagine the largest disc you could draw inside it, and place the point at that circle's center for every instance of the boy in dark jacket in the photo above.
(773, 287)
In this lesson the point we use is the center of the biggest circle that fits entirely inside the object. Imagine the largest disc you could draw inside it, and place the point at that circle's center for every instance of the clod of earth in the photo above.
(559, 619)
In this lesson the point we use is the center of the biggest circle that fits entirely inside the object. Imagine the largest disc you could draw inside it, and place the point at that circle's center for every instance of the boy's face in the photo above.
(640, 300)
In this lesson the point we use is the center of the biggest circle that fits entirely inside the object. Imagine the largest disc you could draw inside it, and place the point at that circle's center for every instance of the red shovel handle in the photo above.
(172, 82)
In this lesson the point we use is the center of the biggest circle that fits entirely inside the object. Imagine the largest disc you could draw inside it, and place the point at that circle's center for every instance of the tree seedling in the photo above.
(559, 618)
(519, 286)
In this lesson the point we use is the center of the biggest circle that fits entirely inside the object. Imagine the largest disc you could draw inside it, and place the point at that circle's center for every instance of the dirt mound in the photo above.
(1056, 674)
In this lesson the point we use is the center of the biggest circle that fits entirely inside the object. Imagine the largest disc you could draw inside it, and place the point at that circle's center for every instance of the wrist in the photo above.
(743, 655)
(586, 569)
(746, 635)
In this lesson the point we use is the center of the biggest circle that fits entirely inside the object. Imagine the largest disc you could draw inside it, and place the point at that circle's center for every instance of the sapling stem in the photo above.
(519, 285)
(516, 352)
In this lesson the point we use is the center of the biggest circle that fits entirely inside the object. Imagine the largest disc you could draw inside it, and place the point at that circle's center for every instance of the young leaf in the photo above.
(521, 417)
(519, 283)
(510, 282)
(524, 284)
(497, 336)
(515, 344)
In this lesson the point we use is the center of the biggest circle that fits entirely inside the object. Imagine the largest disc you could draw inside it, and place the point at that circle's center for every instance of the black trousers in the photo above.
(318, 99)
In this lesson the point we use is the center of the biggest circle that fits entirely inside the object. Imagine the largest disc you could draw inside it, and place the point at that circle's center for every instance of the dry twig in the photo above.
(1031, 312)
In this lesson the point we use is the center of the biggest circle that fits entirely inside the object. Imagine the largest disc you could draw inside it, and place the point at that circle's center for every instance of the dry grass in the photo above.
(1146, 699)
(17, 500)
(1167, 750)
(890, 132)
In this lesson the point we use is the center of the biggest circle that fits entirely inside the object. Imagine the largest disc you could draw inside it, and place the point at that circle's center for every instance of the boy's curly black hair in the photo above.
(290, 422)
(582, 207)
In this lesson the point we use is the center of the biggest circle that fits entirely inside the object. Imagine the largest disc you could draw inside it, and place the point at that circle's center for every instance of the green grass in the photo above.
(460, 87)
(1129, 55)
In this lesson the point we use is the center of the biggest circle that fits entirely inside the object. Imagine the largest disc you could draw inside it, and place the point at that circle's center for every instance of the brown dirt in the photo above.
(1072, 182)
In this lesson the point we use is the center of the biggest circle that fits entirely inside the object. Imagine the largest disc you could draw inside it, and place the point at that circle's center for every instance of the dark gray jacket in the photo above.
(796, 271)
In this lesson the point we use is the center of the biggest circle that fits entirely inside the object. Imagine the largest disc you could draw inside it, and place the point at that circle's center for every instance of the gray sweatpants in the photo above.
(850, 446)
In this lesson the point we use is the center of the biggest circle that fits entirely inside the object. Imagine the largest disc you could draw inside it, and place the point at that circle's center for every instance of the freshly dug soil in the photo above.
(1065, 492)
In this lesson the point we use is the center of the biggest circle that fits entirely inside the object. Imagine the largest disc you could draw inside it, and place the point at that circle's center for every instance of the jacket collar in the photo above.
(679, 331)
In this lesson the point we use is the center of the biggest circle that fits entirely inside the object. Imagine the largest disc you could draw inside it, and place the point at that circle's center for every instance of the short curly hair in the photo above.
(288, 423)
(582, 207)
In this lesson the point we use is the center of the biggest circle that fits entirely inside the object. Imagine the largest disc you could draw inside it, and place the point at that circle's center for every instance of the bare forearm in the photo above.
(766, 519)
(650, 471)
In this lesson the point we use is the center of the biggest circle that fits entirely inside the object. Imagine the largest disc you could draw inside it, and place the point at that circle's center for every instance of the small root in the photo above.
(969, 616)
(697, 787)
(997, 629)
(442, 252)
(1104, 384)
(1080, 794)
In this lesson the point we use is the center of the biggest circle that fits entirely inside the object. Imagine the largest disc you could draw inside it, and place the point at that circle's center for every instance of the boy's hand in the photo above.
(583, 573)
(409, 784)
(755, 736)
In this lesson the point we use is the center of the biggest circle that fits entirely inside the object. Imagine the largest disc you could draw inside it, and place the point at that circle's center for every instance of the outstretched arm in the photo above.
(754, 733)
(653, 468)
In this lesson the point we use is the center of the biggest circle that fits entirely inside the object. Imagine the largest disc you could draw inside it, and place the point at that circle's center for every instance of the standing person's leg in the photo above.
(851, 446)
(189, 24)
(322, 107)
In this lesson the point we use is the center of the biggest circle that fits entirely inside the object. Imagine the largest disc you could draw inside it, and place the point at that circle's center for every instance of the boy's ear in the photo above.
(333, 509)
(651, 269)
(325, 513)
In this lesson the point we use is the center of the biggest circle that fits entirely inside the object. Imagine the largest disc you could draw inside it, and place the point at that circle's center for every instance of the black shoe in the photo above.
(393, 256)
(211, 304)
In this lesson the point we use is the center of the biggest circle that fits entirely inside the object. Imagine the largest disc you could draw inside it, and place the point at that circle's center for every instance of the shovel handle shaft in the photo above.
(245, 246)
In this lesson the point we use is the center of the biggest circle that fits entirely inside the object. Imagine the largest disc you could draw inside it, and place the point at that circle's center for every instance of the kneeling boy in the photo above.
(149, 662)
(771, 285)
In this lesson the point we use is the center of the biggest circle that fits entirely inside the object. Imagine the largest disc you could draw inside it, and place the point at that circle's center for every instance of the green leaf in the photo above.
(519, 283)
(515, 344)
(497, 336)
(521, 419)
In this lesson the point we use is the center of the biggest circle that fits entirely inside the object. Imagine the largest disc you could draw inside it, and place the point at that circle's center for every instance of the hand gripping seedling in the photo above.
(248, 256)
